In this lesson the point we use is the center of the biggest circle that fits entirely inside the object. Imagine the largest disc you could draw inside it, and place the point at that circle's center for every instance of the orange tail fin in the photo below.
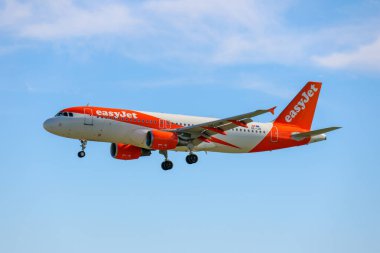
(300, 111)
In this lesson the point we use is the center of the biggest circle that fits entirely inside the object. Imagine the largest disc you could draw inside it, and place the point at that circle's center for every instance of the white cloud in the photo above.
(13, 13)
(62, 19)
(208, 32)
(263, 86)
(226, 31)
(77, 22)
(243, 13)
(366, 57)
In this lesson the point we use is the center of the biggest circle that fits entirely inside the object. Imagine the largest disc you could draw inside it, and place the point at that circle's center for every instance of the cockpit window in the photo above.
(65, 114)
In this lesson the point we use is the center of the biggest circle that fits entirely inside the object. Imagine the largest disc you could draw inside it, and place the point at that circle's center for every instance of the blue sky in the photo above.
(208, 58)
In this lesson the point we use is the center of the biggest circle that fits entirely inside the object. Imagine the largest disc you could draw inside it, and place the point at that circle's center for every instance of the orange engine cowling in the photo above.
(161, 140)
(127, 151)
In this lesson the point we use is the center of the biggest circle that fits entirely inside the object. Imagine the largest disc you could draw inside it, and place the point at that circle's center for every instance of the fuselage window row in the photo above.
(70, 114)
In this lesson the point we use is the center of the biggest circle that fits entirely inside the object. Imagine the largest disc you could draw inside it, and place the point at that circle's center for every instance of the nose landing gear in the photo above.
(81, 153)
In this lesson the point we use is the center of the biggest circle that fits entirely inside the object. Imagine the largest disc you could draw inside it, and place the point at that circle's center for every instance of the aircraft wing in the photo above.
(219, 126)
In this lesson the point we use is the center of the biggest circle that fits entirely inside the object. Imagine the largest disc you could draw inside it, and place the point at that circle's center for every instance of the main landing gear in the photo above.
(191, 158)
(167, 164)
(83, 144)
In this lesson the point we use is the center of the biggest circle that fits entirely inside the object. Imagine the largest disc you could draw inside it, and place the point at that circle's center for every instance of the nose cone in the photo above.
(49, 125)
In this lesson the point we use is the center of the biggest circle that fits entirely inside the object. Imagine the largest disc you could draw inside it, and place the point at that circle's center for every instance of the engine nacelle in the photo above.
(127, 151)
(161, 140)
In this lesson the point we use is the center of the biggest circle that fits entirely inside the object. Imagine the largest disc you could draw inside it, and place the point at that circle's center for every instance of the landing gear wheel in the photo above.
(192, 158)
(83, 144)
(81, 154)
(188, 159)
(167, 165)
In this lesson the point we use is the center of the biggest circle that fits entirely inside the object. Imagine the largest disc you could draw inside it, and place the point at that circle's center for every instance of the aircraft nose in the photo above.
(48, 125)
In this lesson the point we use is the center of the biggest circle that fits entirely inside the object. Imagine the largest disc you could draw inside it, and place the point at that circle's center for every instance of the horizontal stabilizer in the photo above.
(314, 132)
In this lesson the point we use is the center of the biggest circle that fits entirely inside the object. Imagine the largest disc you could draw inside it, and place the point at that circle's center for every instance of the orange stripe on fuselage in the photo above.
(284, 139)
(127, 116)
(132, 117)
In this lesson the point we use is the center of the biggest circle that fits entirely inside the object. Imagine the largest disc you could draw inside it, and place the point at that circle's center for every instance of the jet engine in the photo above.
(127, 151)
(162, 140)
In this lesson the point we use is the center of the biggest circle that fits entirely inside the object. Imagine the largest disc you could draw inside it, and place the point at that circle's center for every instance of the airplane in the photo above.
(134, 134)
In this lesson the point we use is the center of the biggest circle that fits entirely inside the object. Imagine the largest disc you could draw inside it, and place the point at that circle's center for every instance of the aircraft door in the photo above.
(165, 124)
(161, 124)
(274, 134)
(88, 119)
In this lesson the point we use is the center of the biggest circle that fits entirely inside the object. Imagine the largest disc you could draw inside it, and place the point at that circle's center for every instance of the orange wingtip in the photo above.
(271, 110)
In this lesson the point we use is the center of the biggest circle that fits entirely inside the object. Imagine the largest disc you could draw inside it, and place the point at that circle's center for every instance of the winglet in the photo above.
(271, 110)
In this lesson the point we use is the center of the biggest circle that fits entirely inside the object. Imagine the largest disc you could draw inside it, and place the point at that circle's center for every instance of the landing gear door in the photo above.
(88, 119)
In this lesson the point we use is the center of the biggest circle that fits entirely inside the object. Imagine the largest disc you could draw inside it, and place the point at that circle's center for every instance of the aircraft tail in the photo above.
(300, 111)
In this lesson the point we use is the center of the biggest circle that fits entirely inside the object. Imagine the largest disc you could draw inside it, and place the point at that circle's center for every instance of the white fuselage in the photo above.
(95, 128)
